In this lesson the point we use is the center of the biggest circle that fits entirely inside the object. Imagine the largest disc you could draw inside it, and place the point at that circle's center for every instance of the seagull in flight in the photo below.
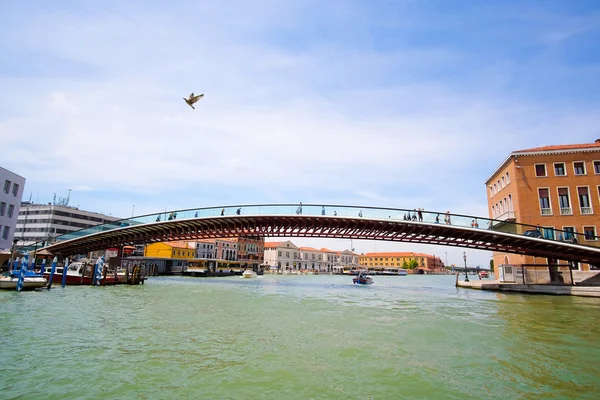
(192, 99)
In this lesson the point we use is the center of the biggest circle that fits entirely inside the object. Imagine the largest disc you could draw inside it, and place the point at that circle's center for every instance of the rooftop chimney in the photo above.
(597, 140)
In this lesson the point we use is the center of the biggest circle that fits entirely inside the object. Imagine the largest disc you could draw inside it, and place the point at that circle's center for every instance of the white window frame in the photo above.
(549, 201)
(503, 184)
(584, 168)
(564, 168)
(589, 200)
(507, 178)
(595, 233)
(568, 195)
(545, 170)
(491, 191)
(594, 166)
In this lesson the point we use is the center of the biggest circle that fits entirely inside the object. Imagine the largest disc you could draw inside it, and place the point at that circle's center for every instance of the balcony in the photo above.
(586, 210)
(546, 211)
(566, 211)
(507, 216)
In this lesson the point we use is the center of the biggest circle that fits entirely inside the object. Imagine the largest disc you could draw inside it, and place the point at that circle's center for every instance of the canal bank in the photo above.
(558, 290)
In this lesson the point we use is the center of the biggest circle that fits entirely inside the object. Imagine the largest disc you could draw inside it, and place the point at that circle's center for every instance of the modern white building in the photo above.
(10, 202)
(44, 222)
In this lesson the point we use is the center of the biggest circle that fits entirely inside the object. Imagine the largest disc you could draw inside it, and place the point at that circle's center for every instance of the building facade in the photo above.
(44, 222)
(10, 203)
(282, 255)
(554, 189)
(177, 250)
(375, 261)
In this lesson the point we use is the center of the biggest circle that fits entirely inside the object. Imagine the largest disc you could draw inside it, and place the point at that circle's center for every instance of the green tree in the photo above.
(413, 264)
(492, 265)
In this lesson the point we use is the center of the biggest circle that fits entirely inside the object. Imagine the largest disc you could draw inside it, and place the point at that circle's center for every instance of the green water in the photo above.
(296, 337)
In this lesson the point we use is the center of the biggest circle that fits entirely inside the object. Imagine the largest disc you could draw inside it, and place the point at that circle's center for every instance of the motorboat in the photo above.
(402, 272)
(249, 274)
(363, 280)
(31, 281)
(483, 274)
(80, 273)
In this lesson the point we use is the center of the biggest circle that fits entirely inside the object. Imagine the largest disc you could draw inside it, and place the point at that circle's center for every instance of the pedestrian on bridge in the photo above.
(323, 210)
(238, 211)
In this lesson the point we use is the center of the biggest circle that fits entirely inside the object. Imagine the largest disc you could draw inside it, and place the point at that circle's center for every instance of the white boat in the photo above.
(402, 272)
(30, 282)
(249, 274)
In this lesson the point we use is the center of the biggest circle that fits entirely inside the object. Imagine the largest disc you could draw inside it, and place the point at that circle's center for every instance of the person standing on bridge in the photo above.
(323, 210)
(222, 212)
(360, 213)
(420, 212)
(238, 211)
(299, 209)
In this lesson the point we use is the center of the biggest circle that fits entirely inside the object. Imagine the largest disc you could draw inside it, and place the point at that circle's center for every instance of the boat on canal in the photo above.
(31, 281)
(249, 274)
(80, 273)
(362, 279)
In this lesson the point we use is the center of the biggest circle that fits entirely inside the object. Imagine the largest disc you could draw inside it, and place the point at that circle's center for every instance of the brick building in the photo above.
(555, 188)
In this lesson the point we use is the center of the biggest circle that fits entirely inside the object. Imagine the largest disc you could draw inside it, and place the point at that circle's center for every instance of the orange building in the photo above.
(373, 261)
(555, 188)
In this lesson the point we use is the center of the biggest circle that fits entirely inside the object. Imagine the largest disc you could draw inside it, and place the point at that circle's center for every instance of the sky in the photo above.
(400, 104)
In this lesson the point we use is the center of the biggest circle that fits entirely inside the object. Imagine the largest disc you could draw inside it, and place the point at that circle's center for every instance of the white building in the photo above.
(282, 255)
(44, 222)
(205, 249)
(311, 259)
(347, 258)
(10, 202)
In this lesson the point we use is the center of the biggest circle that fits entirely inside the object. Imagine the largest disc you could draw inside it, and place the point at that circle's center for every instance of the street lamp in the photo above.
(466, 274)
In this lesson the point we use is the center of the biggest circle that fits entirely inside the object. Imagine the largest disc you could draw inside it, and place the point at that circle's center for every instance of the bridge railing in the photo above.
(339, 211)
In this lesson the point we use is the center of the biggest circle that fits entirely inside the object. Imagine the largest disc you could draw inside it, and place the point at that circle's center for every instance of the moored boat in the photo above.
(402, 272)
(483, 274)
(78, 273)
(31, 281)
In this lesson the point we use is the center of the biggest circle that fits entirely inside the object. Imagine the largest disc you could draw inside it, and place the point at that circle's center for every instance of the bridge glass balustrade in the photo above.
(332, 211)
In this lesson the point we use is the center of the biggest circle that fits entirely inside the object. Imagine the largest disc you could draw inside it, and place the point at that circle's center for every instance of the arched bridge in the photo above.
(331, 221)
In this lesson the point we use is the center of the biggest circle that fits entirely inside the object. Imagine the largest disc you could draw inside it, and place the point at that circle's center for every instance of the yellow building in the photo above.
(181, 250)
(376, 261)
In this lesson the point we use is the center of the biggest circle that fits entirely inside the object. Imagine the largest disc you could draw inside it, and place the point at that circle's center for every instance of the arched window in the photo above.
(503, 183)
(507, 178)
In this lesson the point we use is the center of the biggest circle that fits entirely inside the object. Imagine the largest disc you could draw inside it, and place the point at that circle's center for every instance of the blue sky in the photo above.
(390, 103)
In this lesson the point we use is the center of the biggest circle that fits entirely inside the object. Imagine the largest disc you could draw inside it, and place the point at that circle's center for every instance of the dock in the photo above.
(557, 290)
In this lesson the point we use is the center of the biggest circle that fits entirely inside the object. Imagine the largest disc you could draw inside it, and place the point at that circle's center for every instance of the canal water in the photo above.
(297, 337)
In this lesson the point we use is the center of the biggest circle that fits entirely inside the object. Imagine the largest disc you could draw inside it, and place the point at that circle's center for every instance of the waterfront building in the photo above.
(250, 250)
(347, 258)
(175, 249)
(205, 249)
(282, 255)
(425, 262)
(310, 259)
(44, 222)
(10, 203)
(554, 189)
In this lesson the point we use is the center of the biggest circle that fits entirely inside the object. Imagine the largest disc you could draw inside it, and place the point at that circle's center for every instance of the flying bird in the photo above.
(192, 99)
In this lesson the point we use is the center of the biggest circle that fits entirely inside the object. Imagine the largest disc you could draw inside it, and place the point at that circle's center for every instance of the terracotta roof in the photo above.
(308, 248)
(562, 147)
(327, 250)
(273, 244)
